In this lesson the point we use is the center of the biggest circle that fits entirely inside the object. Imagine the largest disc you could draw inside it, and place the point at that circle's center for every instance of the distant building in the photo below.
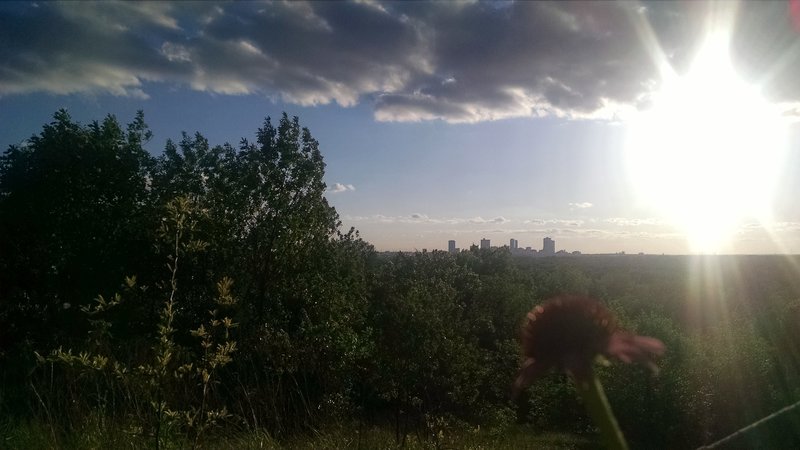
(513, 244)
(486, 244)
(451, 246)
(548, 247)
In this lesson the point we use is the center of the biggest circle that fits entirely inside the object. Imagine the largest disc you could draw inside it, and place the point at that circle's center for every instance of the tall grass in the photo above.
(95, 433)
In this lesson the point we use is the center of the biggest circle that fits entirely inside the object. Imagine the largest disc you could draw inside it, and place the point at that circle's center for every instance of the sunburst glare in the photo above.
(707, 154)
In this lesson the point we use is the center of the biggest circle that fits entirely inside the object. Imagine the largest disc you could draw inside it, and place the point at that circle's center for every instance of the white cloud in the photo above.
(339, 188)
(424, 218)
(581, 205)
(175, 52)
(628, 222)
(560, 222)
(498, 220)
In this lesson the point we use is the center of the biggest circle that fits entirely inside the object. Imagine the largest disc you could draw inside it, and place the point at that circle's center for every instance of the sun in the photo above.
(708, 153)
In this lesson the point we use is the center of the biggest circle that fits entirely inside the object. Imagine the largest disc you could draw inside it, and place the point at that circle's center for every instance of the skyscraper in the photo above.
(485, 243)
(451, 246)
(513, 244)
(549, 246)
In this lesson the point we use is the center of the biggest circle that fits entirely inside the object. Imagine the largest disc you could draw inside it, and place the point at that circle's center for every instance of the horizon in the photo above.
(563, 252)
(646, 127)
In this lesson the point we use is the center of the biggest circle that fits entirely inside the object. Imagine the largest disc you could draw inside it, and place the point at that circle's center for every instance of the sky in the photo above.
(604, 126)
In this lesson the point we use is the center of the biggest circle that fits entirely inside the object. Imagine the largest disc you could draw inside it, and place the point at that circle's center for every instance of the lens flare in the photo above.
(708, 154)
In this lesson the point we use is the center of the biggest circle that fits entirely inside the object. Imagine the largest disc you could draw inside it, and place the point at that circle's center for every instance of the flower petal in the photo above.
(628, 348)
(528, 373)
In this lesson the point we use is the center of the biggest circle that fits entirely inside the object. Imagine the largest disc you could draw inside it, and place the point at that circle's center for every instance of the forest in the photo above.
(209, 297)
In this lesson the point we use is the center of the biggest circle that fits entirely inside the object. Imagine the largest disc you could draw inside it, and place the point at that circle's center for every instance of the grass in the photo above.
(95, 434)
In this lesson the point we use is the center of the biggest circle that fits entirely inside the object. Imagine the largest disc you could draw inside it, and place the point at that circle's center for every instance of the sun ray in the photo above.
(709, 152)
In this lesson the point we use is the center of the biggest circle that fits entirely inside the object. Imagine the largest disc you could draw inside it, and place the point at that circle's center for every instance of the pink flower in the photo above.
(569, 331)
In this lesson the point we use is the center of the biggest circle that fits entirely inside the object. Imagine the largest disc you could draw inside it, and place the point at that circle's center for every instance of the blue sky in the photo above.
(437, 121)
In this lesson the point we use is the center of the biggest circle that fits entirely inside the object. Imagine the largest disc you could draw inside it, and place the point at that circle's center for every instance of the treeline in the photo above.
(212, 290)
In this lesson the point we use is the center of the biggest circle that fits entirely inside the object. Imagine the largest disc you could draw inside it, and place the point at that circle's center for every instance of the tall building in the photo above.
(513, 244)
(486, 243)
(549, 246)
(451, 246)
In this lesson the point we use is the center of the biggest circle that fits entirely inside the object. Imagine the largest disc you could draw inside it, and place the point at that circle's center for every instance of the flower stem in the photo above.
(600, 411)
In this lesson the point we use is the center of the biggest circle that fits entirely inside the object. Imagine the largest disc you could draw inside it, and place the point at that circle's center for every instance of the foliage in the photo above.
(167, 377)
(422, 347)
(73, 213)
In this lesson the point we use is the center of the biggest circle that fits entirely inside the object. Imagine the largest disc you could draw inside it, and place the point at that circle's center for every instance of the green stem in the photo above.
(600, 411)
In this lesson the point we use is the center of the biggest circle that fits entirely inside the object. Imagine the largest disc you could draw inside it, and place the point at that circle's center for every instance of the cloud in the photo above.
(561, 222)
(413, 61)
(628, 222)
(339, 187)
(424, 218)
(581, 205)
(498, 219)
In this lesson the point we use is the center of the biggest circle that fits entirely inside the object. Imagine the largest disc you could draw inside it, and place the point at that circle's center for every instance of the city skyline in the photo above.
(548, 247)
(655, 127)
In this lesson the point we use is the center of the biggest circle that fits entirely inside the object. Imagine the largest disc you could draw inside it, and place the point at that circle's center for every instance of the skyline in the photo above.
(443, 121)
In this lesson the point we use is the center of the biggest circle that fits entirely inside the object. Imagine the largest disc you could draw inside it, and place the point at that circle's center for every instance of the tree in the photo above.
(304, 308)
(301, 282)
(73, 220)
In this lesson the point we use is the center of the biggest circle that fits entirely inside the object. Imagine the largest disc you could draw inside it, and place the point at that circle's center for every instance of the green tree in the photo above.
(301, 283)
(304, 306)
(74, 205)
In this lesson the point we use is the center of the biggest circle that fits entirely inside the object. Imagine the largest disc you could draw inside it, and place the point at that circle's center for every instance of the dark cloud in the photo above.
(459, 62)
(83, 47)
(527, 58)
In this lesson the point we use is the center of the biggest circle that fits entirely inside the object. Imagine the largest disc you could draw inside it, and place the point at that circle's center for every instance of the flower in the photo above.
(569, 331)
